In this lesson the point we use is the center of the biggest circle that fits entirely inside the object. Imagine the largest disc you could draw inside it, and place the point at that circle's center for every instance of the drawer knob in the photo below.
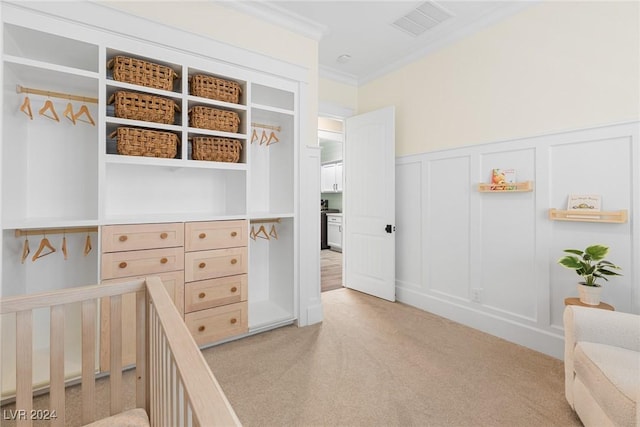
(233, 321)
(234, 261)
(200, 328)
(234, 233)
(202, 265)
(122, 265)
(123, 238)
(164, 236)
(163, 260)
(234, 289)
(201, 295)
(202, 235)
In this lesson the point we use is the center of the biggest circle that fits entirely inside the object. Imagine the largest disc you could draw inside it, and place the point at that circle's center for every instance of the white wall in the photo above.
(454, 242)
(556, 66)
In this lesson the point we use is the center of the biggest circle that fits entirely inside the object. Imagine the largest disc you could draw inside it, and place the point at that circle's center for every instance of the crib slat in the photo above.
(24, 365)
(115, 380)
(56, 390)
(142, 344)
(88, 361)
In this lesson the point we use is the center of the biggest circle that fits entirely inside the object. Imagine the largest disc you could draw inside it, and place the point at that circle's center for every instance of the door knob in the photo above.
(390, 228)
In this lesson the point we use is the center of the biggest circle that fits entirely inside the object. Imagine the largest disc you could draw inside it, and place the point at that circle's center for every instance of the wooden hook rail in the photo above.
(22, 89)
(263, 126)
(264, 220)
(39, 232)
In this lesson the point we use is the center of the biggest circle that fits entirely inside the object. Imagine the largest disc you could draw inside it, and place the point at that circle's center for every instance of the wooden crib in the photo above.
(174, 385)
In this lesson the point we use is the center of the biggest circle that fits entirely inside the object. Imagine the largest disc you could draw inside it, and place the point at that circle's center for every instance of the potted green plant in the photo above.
(591, 266)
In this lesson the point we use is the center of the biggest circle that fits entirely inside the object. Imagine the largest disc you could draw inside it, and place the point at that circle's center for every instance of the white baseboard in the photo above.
(525, 335)
(314, 314)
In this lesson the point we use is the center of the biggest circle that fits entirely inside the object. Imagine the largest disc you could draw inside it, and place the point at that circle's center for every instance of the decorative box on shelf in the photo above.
(511, 187)
(588, 216)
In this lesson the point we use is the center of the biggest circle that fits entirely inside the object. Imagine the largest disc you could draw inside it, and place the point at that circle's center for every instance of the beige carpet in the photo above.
(375, 363)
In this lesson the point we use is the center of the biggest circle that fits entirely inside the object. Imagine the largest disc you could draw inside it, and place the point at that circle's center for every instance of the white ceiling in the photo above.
(364, 30)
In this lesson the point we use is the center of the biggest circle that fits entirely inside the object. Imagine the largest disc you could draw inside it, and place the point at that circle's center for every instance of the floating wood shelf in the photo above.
(589, 216)
(513, 187)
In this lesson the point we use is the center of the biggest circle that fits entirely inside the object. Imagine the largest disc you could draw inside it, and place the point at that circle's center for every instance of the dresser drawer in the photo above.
(136, 263)
(215, 292)
(216, 263)
(215, 235)
(141, 236)
(214, 324)
(334, 218)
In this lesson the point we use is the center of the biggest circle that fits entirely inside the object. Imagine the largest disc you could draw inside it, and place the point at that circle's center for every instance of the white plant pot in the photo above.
(589, 295)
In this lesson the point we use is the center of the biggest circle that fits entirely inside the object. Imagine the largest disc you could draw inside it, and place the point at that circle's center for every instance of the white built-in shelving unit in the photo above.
(64, 175)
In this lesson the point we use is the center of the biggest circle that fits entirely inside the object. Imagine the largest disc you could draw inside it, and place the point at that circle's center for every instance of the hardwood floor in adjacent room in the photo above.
(330, 270)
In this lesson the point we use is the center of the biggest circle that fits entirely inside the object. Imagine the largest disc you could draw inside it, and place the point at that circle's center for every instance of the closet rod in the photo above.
(263, 126)
(38, 232)
(22, 89)
(264, 220)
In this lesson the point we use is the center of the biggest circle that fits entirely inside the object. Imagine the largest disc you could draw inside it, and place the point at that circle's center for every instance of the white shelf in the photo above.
(198, 100)
(208, 132)
(26, 62)
(172, 163)
(140, 123)
(268, 108)
(115, 84)
(169, 217)
(30, 223)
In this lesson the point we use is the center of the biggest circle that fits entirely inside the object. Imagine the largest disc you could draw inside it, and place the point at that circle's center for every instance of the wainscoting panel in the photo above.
(507, 227)
(489, 260)
(446, 256)
(408, 224)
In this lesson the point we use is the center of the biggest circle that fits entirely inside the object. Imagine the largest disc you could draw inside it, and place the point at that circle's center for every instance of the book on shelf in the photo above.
(583, 205)
(503, 179)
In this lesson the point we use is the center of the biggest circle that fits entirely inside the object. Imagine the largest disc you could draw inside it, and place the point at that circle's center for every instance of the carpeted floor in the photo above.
(375, 363)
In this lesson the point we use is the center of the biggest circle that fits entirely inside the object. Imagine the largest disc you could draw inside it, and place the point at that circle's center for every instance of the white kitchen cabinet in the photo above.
(331, 178)
(64, 175)
(334, 231)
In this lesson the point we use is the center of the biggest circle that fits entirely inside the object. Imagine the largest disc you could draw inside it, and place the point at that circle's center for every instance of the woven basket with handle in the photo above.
(145, 142)
(140, 72)
(214, 119)
(143, 106)
(214, 88)
(216, 149)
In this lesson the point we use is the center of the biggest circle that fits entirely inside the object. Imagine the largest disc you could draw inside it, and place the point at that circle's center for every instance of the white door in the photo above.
(369, 210)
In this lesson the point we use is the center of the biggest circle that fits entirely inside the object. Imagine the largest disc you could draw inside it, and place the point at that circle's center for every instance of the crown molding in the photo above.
(338, 76)
(279, 16)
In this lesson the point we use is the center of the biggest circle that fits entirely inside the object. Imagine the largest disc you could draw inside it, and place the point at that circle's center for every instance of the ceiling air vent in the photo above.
(425, 16)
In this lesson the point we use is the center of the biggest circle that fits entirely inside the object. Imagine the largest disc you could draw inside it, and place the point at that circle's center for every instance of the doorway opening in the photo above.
(331, 142)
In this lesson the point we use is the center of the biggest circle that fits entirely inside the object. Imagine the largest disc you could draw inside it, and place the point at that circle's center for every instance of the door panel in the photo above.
(369, 188)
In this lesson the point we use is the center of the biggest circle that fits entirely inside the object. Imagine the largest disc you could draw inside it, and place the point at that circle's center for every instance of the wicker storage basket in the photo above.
(147, 143)
(142, 106)
(214, 119)
(214, 88)
(144, 73)
(216, 149)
